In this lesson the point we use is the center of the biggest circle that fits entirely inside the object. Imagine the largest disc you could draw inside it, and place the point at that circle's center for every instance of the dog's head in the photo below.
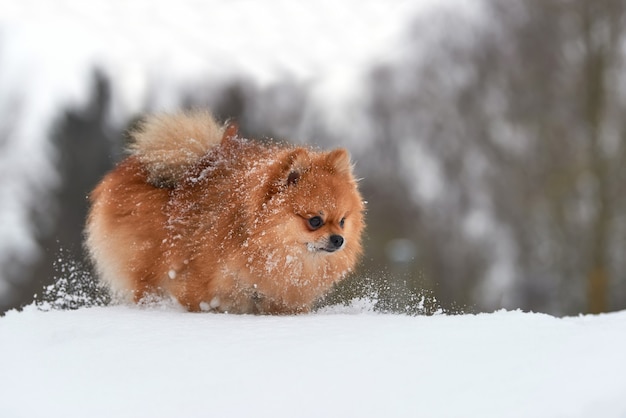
(315, 198)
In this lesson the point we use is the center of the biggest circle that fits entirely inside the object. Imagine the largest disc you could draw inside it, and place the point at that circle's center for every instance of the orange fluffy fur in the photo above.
(223, 223)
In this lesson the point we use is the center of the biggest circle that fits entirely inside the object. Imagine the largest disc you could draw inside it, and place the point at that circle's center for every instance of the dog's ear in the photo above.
(297, 161)
(338, 161)
(288, 172)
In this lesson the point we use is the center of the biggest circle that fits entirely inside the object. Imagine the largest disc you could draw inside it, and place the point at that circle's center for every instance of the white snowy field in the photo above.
(121, 361)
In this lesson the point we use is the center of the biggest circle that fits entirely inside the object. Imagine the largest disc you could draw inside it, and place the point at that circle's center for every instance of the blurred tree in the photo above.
(523, 117)
(557, 66)
(406, 213)
(602, 26)
(86, 147)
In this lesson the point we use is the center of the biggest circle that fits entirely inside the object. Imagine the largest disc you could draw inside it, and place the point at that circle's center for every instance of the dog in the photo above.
(222, 223)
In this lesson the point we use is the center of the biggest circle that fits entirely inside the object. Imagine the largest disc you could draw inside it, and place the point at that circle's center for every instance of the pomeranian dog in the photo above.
(223, 223)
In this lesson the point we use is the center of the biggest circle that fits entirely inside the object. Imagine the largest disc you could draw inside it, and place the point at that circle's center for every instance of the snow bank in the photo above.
(160, 362)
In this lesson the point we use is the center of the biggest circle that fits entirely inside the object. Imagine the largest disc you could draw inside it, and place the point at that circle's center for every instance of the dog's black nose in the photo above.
(336, 241)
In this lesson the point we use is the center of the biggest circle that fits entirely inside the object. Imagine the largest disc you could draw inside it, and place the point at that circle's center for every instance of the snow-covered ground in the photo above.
(121, 361)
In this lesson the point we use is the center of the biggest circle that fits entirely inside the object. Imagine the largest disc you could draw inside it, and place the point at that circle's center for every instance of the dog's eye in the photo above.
(342, 222)
(315, 222)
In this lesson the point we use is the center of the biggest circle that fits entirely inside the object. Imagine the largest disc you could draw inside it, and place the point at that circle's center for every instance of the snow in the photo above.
(128, 361)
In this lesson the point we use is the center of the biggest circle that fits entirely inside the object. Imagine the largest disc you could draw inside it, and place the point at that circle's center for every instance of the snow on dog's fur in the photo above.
(224, 223)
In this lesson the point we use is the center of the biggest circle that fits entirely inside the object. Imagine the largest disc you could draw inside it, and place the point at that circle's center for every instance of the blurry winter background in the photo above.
(490, 135)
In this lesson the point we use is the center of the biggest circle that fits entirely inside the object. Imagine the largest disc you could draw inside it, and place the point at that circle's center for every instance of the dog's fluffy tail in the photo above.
(169, 144)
